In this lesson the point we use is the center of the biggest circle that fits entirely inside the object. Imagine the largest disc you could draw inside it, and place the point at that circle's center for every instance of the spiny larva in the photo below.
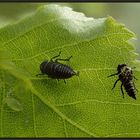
(57, 70)
(125, 75)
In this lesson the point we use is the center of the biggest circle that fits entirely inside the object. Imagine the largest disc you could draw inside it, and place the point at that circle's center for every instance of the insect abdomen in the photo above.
(57, 70)
(125, 74)
(129, 87)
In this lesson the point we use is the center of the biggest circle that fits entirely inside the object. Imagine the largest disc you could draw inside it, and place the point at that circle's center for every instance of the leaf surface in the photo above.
(83, 107)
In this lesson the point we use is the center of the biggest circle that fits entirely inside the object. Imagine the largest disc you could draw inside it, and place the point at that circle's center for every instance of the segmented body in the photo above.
(56, 70)
(125, 75)
(129, 87)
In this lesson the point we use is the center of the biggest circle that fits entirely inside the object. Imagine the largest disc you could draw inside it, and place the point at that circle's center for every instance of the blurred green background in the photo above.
(126, 13)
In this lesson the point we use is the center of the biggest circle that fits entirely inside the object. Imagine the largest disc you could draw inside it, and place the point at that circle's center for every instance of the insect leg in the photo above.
(67, 59)
(122, 90)
(134, 68)
(64, 81)
(113, 74)
(135, 78)
(115, 83)
(39, 74)
(56, 56)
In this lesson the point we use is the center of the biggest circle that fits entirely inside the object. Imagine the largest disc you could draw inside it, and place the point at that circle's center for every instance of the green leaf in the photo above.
(83, 107)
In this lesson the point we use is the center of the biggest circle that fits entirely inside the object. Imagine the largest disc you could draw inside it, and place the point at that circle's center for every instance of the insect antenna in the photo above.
(56, 56)
(67, 59)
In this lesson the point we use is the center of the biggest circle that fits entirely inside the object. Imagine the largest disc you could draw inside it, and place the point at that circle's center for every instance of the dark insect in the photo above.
(57, 70)
(125, 75)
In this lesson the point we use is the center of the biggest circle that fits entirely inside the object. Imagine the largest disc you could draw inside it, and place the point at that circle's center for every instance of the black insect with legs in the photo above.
(126, 76)
(57, 70)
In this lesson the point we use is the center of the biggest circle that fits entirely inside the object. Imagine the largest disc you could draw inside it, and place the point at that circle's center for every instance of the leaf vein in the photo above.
(98, 101)
(34, 120)
(1, 126)
(65, 129)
